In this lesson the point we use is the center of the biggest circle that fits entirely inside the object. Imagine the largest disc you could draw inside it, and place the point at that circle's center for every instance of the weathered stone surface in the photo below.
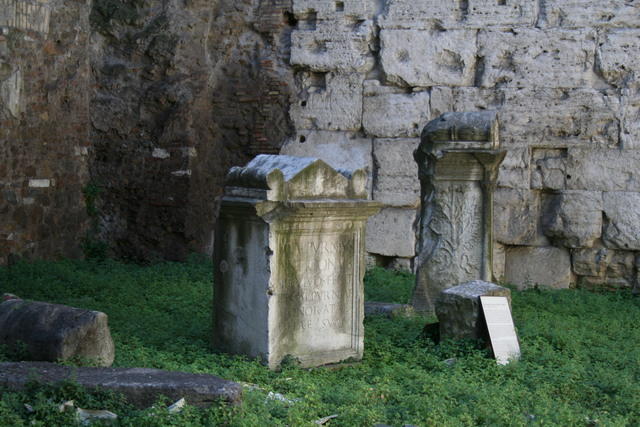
(209, 83)
(603, 283)
(618, 59)
(387, 309)
(460, 313)
(591, 261)
(329, 101)
(334, 46)
(549, 169)
(45, 78)
(289, 261)
(339, 149)
(499, 260)
(603, 170)
(396, 183)
(390, 112)
(141, 386)
(630, 117)
(575, 218)
(621, 265)
(544, 266)
(516, 214)
(458, 159)
(536, 58)
(515, 169)
(52, 332)
(622, 226)
(604, 268)
(588, 13)
(428, 58)
(478, 14)
(542, 117)
(325, 10)
(391, 232)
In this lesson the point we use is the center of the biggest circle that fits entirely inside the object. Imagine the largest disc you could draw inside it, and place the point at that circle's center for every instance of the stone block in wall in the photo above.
(474, 14)
(390, 112)
(630, 116)
(603, 169)
(591, 261)
(574, 218)
(499, 261)
(396, 179)
(411, 14)
(600, 283)
(429, 58)
(515, 170)
(545, 266)
(559, 118)
(334, 46)
(341, 150)
(536, 58)
(336, 10)
(591, 13)
(618, 57)
(328, 101)
(621, 265)
(622, 226)
(507, 13)
(549, 168)
(391, 233)
(604, 268)
(515, 216)
(541, 117)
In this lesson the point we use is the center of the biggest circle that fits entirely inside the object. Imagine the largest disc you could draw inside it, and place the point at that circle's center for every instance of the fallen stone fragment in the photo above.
(52, 332)
(459, 311)
(141, 386)
(387, 309)
(323, 421)
(87, 416)
(177, 406)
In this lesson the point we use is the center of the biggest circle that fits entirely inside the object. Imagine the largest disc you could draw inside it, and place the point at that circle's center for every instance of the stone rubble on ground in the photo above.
(459, 311)
(54, 332)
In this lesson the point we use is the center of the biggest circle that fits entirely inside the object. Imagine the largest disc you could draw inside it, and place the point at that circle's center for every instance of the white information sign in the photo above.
(502, 332)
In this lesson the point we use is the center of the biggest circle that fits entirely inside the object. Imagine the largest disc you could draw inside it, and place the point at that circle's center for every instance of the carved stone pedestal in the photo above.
(289, 261)
(458, 160)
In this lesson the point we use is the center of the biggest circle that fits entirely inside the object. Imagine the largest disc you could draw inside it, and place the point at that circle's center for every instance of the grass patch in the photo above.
(580, 365)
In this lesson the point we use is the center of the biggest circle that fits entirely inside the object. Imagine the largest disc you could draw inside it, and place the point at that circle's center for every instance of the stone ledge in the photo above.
(141, 386)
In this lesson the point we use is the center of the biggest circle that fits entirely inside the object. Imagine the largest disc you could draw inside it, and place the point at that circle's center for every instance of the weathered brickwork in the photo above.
(563, 76)
(44, 133)
(181, 94)
(147, 104)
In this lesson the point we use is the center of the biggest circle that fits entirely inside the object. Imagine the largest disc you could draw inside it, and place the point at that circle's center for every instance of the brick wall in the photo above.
(44, 134)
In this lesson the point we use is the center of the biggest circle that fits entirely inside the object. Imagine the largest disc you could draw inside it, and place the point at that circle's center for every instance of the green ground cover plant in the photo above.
(580, 364)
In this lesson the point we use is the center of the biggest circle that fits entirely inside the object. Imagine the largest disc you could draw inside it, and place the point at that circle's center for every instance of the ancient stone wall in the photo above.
(144, 105)
(181, 93)
(44, 133)
(147, 103)
(563, 76)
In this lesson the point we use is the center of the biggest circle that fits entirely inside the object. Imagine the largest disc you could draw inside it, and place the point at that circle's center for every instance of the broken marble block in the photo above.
(460, 313)
(54, 332)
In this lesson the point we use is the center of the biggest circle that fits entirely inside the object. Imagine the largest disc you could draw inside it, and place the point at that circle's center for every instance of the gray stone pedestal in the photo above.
(458, 160)
(289, 261)
(459, 311)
